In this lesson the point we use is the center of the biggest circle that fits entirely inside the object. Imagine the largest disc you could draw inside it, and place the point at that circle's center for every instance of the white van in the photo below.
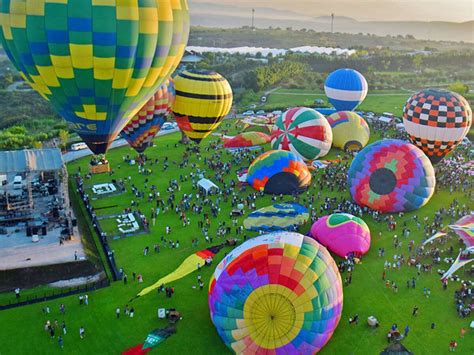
(79, 146)
(17, 182)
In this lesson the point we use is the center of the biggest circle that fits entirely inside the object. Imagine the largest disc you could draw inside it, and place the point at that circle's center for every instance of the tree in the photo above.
(459, 87)
(63, 135)
(418, 61)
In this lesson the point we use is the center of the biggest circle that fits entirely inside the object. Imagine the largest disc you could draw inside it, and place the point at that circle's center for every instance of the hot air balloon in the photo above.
(391, 176)
(281, 216)
(350, 132)
(342, 234)
(247, 139)
(144, 126)
(203, 99)
(97, 62)
(279, 293)
(279, 172)
(437, 121)
(345, 89)
(303, 131)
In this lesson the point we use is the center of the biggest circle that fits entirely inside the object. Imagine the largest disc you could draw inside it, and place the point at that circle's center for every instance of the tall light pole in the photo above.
(332, 23)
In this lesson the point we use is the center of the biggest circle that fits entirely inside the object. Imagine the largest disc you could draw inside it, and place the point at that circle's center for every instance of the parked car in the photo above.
(249, 113)
(260, 112)
(277, 112)
(79, 146)
(252, 106)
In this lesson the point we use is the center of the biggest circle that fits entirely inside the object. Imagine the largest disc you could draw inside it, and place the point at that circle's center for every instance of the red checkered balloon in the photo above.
(437, 121)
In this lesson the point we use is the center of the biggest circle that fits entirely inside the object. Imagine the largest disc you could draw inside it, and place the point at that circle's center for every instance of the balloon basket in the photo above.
(100, 168)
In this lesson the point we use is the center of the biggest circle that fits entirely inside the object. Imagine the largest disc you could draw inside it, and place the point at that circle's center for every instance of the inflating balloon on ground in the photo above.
(350, 132)
(279, 172)
(343, 234)
(391, 176)
(302, 131)
(437, 121)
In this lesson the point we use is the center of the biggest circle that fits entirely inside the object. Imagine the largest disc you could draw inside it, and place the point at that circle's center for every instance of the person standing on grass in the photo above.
(86, 300)
(17, 293)
(60, 341)
(82, 332)
(125, 277)
(463, 331)
(414, 313)
(117, 312)
(407, 330)
(63, 326)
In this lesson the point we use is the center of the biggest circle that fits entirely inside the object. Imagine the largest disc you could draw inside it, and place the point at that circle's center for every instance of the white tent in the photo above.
(207, 185)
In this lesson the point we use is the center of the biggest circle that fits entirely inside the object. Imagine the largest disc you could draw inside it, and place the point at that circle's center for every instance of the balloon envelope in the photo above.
(342, 234)
(247, 139)
(203, 99)
(304, 132)
(391, 176)
(144, 126)
(97, 62)
(279, 293)
(437, 121)
(350, 132)
(277, 217)
(279, 172)
(346, 89)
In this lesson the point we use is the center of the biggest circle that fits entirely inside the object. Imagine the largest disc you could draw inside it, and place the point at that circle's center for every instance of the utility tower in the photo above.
(253, 19)
(332, 23)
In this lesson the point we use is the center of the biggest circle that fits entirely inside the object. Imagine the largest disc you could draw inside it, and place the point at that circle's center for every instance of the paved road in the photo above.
(74, 155)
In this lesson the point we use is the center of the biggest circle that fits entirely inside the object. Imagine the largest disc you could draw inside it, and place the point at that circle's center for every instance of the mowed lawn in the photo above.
(377, 101)
(22, 328)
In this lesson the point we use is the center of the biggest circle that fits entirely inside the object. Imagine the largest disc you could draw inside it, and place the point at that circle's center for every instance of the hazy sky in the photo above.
(384, 10)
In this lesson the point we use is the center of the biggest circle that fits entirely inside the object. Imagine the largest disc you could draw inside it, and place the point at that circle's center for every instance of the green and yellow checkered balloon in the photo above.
(96, 61)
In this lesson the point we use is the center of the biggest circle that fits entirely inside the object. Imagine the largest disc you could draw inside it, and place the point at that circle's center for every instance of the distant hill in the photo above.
(229, 16)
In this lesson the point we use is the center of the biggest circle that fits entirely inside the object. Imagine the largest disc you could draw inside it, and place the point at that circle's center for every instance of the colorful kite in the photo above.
(247, 139)
(437, 121)
(203, 99)
(279, 172)
(350, 132)
(304, 132)
(346, 89)
(188, 266)
(97, 62)
(465, 257)
(464, 228)
(280, 293)
(144, 126)
(281, 216)
(391, 176)
(342, 234)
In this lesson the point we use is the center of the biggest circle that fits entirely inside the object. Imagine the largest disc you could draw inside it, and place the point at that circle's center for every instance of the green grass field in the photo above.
(377, 101)
(22, 328)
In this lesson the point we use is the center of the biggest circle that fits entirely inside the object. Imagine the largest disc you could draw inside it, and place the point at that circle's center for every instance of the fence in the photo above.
(109, 255)
(55, 295)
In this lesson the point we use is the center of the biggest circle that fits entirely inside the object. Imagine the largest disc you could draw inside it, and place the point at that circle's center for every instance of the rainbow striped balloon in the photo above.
(391, 176)
(280, 293)
(279, 172)
(144, 126)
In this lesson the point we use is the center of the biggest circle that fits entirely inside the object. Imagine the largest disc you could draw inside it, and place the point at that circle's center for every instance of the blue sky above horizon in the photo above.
(367, 10)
